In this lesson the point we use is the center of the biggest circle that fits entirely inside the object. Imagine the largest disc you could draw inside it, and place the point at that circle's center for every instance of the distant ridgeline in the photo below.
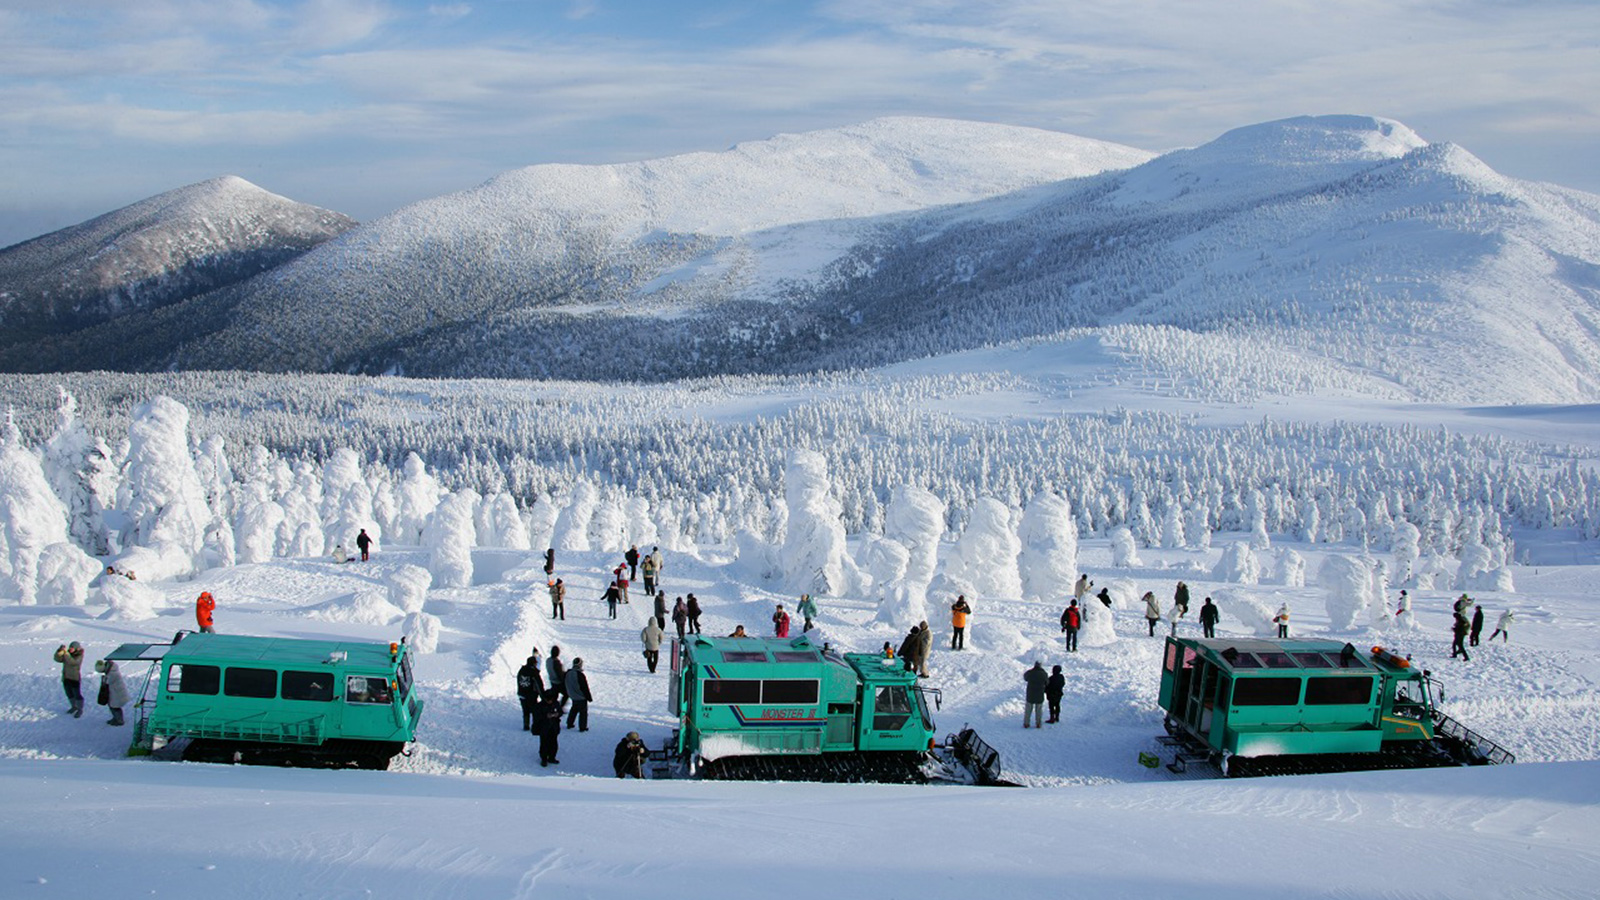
(1347, 244)
(329, 452)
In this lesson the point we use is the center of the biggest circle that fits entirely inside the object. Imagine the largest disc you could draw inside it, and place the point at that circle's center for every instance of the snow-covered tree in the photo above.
(418, 494)
(814, 556)
(408, 587)
(1238, 565)
(31, 517)
(161, 495)
(67, 467)
(1346, 582)
(1291, 569)
(1124, 551)
(1049, 559)
(449, 538)
(501, 524)
(983, 562)
(572, 525)
(914, 520)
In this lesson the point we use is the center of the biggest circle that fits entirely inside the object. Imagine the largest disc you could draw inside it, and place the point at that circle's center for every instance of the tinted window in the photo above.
(405, 675)
(1355, 690)
(891, 708)
(730, 690)
(794, 656)
(241, 682)
(1246, 661)
(186, 679)
(797, 690)
(308, 686)
(1274, 659)
(1311, 660)
(744, 656)
(1266, 691)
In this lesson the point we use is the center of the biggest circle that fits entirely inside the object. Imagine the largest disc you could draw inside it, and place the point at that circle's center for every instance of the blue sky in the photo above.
(365, 105)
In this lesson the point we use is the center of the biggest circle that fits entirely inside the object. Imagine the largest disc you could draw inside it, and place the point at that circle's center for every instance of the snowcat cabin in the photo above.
(1250, 698)
(278, 700)
(744, 698)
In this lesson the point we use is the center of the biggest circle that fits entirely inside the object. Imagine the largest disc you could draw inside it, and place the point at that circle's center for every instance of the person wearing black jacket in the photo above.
(1053, 689)
(661, 610)
(632, 559)
(547, 727)
(530, 685)
(1208, 618)
(1477, 624)
(694, 614)
(578, 693)
(628, 760)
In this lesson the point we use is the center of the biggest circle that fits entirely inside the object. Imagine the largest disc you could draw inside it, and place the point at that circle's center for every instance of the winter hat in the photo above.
(633, 735)
(100, 665)
(74, 646)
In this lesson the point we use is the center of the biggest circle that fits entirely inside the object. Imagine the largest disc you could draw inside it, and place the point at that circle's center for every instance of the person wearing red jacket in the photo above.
(204, 610)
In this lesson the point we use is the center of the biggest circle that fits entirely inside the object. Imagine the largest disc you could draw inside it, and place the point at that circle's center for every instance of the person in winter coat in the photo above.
(694, 614)
(556, 671)
(547, 726)
(1208, 618)
(648, 568)
(959, 612)
(1503, 626)
(1104, 597)
(780, 622)
(1180, 599)
(1035, 680)
(1053, 689)
(1477, 624)
(339, 554)
(651, 636)
(1458, 631)
(71, 658)
(628, 759)
(612, 595)
(1081, 589)
(924, 647)
(530, 687)
(205, 608)
(661, 610)
(1282, 620)
(550, 561)
(1152, 610)
(113, 689)
(680, 616)
(632, 559)
(807, 610)
(621, 581)
(364, 544)
(1462, 604)
(660, 562)
(1405, 605)
(1173, 615)
(1071, 621)
(738, 631)
(558, 600)
(908, 650)
(578, 693)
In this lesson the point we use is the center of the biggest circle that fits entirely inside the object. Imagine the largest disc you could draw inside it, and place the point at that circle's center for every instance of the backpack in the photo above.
(1072, 617)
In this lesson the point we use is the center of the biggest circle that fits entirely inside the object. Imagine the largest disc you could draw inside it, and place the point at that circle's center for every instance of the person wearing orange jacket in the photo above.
(959, 611)
(204, 609)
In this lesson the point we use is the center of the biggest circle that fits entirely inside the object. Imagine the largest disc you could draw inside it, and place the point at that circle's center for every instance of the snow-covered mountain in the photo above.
(1345, 240)
(153, 253)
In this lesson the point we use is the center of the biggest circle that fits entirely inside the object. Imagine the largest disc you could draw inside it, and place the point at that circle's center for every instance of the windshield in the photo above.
(405, 675)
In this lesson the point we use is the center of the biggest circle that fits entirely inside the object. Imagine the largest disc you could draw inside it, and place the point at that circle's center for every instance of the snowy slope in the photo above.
(154, 252)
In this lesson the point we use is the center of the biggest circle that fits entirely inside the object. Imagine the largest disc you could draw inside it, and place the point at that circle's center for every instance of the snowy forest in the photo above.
(855, 485)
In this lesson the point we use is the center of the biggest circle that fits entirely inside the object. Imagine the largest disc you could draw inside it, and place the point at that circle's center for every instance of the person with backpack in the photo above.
(1071, 621)
(547, 726)
(1208, 618)
(1053, 689)
(680, 616)
(647, 567)
(530, 687)
(694, 613)
(959, 612)
(651, 637)
(628, 759)
(578, 693)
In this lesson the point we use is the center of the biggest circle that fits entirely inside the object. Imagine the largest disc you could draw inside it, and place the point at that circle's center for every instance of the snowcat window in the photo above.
(1351, 691)
(405, 675)
(187, 679)
(794, 656)
(759, 656)
(1246, 661)
(740, 691)
(1313, 660)
(242, 682)
(1274, 659)
(891, 708)
(795, 691)
(1266, 691)
(367, 689)
(316, 686)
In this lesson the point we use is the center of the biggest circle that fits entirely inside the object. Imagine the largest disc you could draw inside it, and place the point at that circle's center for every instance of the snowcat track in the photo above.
(842, 768)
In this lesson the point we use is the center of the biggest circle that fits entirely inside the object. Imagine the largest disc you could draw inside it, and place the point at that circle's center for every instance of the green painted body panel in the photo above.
(281, 690)
(1254, 697)
(771, 696)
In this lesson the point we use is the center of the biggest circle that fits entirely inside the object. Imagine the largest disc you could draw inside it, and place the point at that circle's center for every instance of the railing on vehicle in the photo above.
(1485, 750)
(248, 728)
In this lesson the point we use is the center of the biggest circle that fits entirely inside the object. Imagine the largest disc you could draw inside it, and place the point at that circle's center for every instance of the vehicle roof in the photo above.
(1302, 654)
(234, 648)
(755, 650)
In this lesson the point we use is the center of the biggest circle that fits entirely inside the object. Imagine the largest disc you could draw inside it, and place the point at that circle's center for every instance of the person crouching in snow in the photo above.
(628, 760)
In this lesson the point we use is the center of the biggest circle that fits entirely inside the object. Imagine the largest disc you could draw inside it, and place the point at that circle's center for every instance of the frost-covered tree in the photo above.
(31, 517)
(572, 525)
(1291, 569)
(1238, 565)
(1259, 539)
(814, 557)
(501, 525)
(1246, 609)
(256, 527)
(418, 494)
(449, 537)
(1406, 552)
(1310, 520)
(1049, 559)
(1172, 533)
(216, 475)
(983, 562)
(1124, 551)
(161, 495)
(608, 527)
(66, 466)
(1346, 582)
(408, 587)
(1198, 530)
(64, 574)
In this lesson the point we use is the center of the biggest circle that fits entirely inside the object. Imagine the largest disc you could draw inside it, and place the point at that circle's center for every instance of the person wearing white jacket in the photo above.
(1152, 610)
(113, 688)
(1503, 626)
(651, 636)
